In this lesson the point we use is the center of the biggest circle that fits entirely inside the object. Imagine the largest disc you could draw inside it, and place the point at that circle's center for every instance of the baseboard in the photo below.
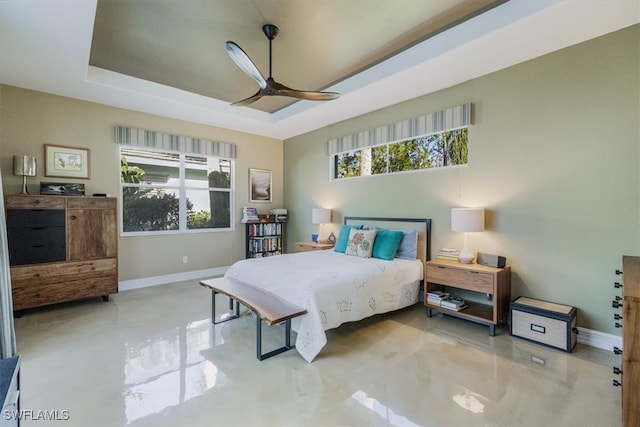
(146, 282)
(598, 339)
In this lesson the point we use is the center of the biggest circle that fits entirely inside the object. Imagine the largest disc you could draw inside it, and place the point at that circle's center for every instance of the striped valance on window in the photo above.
(440, 121)
(176, 143)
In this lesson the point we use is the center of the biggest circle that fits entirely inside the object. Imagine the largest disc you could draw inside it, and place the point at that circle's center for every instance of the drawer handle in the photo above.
(538, 328)
(73, 217)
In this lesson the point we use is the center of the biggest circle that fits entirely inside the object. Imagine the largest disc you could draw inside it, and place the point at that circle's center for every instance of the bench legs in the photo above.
(287, 340)
(213, 309)
(259, 354)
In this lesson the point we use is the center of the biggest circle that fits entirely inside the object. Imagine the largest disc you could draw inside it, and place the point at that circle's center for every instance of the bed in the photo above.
(335, 287)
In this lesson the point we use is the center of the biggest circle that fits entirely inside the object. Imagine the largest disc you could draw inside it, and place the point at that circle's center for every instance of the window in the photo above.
(172, 192)
(424, 152)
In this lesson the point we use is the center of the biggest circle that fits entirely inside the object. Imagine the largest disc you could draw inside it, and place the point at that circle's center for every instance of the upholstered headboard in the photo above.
(423, 225)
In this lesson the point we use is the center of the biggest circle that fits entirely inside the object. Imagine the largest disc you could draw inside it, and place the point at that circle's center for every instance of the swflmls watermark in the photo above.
(37, 415)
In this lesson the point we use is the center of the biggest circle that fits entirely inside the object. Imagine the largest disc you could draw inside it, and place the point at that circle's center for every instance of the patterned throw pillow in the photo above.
(360, 243)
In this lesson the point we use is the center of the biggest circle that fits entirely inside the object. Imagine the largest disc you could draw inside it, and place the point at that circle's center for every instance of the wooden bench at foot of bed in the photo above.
(268, 308)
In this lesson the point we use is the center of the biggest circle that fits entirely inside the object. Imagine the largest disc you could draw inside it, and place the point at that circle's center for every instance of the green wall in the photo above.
(553, 157)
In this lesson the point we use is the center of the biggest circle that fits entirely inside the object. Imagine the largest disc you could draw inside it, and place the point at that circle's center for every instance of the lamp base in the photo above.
(24, 185)
(466, 256)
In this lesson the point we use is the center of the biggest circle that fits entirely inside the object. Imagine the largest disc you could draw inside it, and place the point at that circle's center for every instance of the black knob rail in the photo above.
(617, 370)
(617, 285)
(617, 351)
(615, 304)
(618, 272)
(617, 316)
(618, 325)
(617, 383)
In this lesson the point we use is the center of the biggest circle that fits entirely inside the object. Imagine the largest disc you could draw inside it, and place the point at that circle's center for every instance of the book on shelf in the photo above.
(249, 214)
(456, 308)
(448, 258)
(447, 254)
(454, 303)
(436, 297)
(280, 214)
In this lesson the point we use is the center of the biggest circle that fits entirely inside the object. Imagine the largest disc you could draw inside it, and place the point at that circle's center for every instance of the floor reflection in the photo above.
(390, 417)
(168, 370)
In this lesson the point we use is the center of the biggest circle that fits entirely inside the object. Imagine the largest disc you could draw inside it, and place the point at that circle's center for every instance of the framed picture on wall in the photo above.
(66, 162)
(259, 185)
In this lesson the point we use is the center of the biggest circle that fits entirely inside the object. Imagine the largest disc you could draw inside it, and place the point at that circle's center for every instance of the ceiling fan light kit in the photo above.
(268, 86)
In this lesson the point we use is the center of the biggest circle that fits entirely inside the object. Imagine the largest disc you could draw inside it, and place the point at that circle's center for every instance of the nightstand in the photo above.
(495, 283)
(313, 246)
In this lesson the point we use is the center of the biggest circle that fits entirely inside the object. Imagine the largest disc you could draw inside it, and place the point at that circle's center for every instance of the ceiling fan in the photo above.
(270, 87)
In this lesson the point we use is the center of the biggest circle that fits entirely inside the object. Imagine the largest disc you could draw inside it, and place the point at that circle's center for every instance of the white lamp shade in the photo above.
(320, 216)
(467, 220)
(24, 165)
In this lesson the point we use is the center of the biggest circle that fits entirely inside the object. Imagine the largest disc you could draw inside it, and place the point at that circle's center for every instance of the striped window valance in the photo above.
(175, 143)
(440, 121)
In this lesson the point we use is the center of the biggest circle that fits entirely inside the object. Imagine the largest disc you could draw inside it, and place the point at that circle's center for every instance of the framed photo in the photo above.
(259, 185)
(66, 162)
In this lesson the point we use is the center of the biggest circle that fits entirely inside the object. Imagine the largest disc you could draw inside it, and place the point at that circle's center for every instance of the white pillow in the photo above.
(360, 243)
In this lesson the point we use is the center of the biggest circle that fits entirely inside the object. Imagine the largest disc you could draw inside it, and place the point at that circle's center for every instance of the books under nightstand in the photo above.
(445, 300)
(455, 304)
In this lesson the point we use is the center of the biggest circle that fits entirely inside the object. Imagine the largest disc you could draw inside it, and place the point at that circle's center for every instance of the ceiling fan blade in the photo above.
(245, 63)
(282, 90)
(253, 98)
(309, 95)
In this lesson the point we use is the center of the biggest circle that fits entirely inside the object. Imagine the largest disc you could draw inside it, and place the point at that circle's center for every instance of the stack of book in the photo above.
(455, 304)
(448, 254)
(280, 213)
(436, 297)
(249, 214)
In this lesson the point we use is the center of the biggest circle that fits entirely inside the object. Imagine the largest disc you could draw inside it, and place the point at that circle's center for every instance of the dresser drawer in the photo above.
(463, 279)
(29, 202)
(44, 294)
(33, 275)
(17, 218)
(91, 203)
(36, 245)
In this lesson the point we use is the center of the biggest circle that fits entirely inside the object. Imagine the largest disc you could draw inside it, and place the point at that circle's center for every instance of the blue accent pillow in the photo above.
(408, 248)
(343, 237)
(386, 244)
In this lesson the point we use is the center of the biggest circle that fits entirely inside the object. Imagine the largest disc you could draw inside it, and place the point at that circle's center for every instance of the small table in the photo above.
(495, 283)
(313, 246)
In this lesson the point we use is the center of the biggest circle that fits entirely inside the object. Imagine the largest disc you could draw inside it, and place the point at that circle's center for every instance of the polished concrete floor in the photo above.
(151, 357)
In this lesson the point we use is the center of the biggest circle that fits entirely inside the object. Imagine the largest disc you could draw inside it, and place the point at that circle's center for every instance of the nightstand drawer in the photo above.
(470, 280)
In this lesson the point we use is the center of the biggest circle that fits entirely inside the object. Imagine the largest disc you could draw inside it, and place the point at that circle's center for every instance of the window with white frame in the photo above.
(171, 192)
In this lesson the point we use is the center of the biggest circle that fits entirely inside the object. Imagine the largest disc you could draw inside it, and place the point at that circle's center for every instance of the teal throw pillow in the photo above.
(386, 244)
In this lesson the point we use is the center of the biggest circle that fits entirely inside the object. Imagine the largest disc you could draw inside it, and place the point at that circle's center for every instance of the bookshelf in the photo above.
(264, 237)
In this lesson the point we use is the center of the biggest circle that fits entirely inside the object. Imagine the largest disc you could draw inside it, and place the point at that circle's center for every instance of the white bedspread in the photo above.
(333, 287)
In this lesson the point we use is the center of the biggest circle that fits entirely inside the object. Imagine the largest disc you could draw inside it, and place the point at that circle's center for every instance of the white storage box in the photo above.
(547, 323)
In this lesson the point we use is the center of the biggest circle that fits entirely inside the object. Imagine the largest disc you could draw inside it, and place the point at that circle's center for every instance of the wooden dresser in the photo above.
(61, 248)
(630, 341)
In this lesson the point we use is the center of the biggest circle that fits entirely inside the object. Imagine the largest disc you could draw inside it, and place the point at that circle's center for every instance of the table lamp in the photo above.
(467, 220)
(320, 216)
(24, 166)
